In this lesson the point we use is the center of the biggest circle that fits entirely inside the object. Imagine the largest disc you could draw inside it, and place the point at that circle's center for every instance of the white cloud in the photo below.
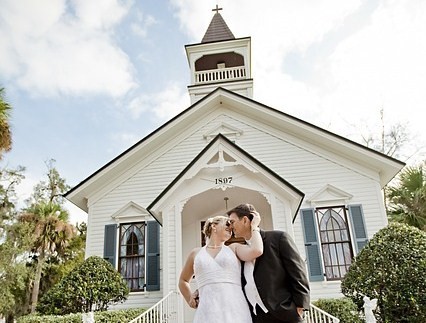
(354, 57)
(142, 24)
(164, 104)
(102, 14)
(47, 50)
(382, 66)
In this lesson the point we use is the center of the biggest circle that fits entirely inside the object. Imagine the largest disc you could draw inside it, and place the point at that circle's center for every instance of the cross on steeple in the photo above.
(217, 9)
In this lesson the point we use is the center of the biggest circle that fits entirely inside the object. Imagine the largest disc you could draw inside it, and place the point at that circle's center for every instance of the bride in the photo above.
(217, 270)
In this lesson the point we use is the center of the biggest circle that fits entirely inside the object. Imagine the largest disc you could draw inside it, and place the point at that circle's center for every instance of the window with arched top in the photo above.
(132, 255)
(335, 241)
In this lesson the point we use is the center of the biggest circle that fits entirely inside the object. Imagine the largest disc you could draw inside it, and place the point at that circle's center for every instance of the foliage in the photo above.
(407, 200)
(51, 231)
(59, 265)
(390, 139)
(50, 190)
(5, 133)
(38, 246)
(9, 180)
(14, 241)
(51, 234)
(342, 308)
(92, 286)
(100, 317)
(391, 268)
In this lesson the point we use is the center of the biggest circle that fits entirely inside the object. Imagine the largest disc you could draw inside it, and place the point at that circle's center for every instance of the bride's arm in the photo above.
(185, 278)
(254, 247)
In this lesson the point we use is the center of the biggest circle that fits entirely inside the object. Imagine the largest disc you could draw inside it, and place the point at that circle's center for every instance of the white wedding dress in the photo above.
(219, 285)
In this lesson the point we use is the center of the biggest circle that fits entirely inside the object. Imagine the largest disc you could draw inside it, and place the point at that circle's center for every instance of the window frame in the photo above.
(319, 216)
(143, 224)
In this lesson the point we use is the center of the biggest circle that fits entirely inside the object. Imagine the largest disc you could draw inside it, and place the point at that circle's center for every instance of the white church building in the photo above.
(146, 207)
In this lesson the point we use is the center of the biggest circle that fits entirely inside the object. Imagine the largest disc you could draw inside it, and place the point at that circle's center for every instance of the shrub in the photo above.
(120, 316)
(391, 268)
(94, 285)
(342, 308)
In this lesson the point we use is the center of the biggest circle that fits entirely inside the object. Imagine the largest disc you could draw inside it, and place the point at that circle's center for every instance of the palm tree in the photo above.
(51, 234)
(5, 133)
(408, 198)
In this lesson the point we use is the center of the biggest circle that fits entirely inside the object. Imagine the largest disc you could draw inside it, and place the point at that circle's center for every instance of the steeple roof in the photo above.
(217, 30)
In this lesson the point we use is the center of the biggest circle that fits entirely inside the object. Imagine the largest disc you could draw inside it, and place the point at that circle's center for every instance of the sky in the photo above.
(88, 79)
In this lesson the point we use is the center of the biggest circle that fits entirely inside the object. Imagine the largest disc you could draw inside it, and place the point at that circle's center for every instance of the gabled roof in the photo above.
(291, 193)
(218, 30)
(384, 166)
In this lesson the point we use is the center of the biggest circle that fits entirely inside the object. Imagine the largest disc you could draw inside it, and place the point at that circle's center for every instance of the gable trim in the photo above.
(240, 150)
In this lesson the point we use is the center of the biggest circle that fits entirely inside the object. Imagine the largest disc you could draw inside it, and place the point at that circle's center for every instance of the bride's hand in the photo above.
(193, 300)
(256, 220)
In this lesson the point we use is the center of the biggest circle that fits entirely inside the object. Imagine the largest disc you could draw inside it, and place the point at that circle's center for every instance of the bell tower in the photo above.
(220, 60)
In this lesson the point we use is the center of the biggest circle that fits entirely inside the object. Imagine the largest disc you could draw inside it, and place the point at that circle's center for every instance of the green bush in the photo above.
(92, 286)
(391, 268)
(120, 316)
(342, 308)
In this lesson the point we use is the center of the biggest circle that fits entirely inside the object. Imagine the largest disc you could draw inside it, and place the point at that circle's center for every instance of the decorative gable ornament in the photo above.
(131, 212)
(329, 195)
(230, 132)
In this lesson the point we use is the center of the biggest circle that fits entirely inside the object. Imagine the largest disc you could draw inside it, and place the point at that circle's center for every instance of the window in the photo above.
(132, 255)
(335, 241)
(330, 239)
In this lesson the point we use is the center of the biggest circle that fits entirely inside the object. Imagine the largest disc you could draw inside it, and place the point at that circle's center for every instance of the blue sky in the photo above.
(87, 79)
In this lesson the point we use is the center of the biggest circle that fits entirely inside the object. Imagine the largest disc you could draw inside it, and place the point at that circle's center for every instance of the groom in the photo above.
(280, 290)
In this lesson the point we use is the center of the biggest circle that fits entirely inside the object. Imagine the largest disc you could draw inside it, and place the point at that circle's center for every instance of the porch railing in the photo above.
(164, 311)
(317, 315)
(221, 74)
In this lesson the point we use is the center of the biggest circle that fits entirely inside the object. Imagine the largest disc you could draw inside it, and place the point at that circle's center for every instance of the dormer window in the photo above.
(220, 65)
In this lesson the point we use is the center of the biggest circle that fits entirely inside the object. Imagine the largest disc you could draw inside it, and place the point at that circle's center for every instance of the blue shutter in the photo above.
(359, 232)
(153, 256)
(110, 243)
(312, 246)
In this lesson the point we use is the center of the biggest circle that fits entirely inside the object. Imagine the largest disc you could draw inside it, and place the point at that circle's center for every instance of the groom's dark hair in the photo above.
(243, 210)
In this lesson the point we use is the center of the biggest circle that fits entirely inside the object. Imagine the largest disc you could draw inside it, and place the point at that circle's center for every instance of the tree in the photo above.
(5, 133)
(407, 199)
(391, 269)
(60, 265)
(52, 232)
(51, 235)
(14, 273)
(93, 286)
(389, 140)
(50, 190)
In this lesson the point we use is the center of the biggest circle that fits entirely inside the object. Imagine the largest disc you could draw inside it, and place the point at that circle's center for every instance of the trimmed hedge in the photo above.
(92, 286)
(119, 316)
(391, 268)
(342, 308)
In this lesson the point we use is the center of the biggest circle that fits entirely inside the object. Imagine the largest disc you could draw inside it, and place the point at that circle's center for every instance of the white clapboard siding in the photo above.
(307, 168)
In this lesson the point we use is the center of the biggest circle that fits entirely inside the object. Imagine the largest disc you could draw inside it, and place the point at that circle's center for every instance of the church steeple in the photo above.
(218, 29)
(220, 60)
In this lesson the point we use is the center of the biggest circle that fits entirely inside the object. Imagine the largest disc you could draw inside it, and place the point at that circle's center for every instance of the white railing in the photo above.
(317, 315)
(164, 311)
(221, 74)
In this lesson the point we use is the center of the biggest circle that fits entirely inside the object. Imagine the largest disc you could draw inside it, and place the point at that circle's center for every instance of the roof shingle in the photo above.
(217, 30)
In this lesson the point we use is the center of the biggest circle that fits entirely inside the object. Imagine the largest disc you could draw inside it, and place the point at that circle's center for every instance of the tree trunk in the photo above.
(37, 278)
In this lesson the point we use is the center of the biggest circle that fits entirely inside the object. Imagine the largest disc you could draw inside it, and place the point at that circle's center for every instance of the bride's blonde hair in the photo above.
(207, 230)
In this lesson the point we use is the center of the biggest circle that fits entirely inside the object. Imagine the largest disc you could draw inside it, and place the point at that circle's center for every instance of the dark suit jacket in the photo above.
(280, 276)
